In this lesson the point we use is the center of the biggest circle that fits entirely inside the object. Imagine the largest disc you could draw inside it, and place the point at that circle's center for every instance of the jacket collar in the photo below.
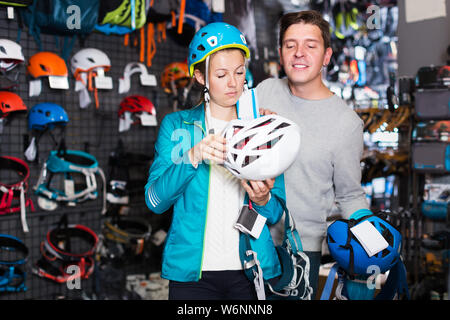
(194, 114)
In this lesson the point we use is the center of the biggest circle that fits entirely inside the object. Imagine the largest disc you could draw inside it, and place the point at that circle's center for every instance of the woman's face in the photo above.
(226, 77)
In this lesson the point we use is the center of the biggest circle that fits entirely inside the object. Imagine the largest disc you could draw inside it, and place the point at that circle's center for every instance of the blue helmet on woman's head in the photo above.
(352, 257)
(214, 37)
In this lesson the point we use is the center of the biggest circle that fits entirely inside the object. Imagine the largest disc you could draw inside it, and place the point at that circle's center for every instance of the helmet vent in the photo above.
(268, 144)
(201, 48)
(330, 239)
(387, 235)
(235, 170)
(249, 159)
(47, 113)
(91, 60)
(263, 123)
(6, 106)
(283, 125)
(241, 144)
(2, 49)
(394, 261)
(43, 67)
(385, 252)
(204, 34)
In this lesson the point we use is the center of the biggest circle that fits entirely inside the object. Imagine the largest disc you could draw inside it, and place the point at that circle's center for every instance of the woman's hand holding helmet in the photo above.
(212, 148)
(258, 191)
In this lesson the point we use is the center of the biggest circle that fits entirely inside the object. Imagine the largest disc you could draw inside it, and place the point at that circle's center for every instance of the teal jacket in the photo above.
(173, 180)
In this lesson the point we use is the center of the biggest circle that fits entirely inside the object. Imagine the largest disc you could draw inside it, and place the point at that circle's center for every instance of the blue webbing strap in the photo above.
(326, 291)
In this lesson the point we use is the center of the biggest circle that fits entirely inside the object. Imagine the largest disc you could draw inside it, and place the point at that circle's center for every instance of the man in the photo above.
(327, 170)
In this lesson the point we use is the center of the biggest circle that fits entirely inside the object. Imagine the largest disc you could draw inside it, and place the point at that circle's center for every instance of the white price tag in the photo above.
(69, 187)
(218, 6)
(148, 119)
(58, 82)
(103, 82)
(85, 99)
(125, 122)
(148, 80)
(79, 86)
(35, 88)
(10, 13)
(369, 237)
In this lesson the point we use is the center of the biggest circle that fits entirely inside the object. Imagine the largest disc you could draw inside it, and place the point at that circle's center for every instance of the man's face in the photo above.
(303, 54)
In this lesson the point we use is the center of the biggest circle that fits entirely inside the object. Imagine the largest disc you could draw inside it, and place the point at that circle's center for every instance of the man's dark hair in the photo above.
(309, 17)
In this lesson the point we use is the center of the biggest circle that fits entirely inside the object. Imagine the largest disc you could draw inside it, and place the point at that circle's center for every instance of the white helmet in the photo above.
(130, 69)
(261, 148)
(89, 59)
(10, 54)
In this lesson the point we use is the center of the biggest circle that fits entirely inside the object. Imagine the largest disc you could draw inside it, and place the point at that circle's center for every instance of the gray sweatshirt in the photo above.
(327, 172)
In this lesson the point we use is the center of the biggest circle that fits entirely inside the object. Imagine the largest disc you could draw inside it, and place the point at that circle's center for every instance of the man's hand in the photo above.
(265, 112)
(258, 191)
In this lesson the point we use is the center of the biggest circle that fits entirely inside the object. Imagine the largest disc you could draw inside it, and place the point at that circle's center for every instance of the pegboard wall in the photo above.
(90, 130)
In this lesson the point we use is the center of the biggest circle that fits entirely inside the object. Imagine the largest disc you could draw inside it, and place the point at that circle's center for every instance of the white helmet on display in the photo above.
(130, 69)
(261, 148)
(10, 54)
(89, 59)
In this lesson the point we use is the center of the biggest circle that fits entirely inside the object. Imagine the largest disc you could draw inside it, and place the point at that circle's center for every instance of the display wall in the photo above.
(92, 130)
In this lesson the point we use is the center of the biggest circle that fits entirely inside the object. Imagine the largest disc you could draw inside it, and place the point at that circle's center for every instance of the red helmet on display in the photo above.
(135, 104)
(10, 102)
(136, 109)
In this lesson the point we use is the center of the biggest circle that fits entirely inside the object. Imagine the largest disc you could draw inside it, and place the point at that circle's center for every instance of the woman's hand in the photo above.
(211, 148)
(258, 191)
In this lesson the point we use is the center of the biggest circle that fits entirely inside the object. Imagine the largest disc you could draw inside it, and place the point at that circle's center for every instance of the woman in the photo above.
(201, 254)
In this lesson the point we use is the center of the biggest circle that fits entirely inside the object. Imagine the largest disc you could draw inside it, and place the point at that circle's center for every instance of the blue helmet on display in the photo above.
(352, 257)
(213, 37)
(46, 115)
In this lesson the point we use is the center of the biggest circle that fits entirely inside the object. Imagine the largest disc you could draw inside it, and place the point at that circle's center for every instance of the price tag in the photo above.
(148, 80)
(250, 222)
(10, 12)
(85, 100)
(103, 82)
(218, 6)
(58, 82)
(125, 122)
(35, 88)
(148, 119)
(69, 187)
(369, 237)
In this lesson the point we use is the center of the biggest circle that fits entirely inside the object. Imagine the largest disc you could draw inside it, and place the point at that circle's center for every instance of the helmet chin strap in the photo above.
(207, 97)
